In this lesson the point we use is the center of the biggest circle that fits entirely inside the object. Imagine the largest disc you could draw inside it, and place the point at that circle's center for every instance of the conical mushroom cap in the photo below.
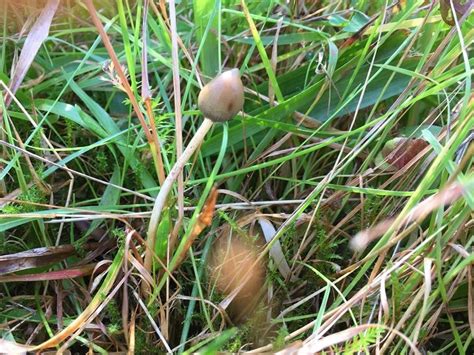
(223, 97)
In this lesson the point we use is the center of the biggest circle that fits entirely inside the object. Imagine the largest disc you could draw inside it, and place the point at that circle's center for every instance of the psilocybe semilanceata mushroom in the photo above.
(219, 101)
(223, 97)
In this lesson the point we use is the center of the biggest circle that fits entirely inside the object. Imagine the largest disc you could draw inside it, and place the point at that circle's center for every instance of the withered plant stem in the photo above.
(152, 139)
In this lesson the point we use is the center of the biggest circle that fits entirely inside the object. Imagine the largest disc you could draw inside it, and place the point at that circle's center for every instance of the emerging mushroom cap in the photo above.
(233, 264)
(223, 97)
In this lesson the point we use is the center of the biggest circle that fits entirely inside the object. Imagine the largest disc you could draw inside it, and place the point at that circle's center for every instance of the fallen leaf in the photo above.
(399, 151)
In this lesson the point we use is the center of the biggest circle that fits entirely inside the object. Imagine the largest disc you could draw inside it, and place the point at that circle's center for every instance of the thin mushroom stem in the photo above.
(165, 189)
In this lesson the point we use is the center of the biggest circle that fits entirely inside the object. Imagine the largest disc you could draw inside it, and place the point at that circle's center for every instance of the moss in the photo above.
(279, 341)
(114, 328)
(113, 312)
(27, 201)
(102, 162)
(119, 234)
(235, 343)
(143, 345)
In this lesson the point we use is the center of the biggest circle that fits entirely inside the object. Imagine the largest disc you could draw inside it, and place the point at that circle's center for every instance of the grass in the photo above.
(347, 180)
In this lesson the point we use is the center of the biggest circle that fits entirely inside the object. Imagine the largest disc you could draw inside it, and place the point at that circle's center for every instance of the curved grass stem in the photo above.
(162, 197)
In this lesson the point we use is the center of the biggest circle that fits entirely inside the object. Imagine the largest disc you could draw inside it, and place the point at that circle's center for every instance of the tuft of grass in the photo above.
(355, 146)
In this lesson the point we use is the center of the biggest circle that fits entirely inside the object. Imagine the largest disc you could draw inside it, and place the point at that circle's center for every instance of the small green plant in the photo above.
(70, 133)
(26, 202)
(113, 312)
(11, 209)
(371, 210)
(119, 234)
(102, 162)
(143, 344)
(279, 341)
(235, 344)
(114, 328)
(363, 341)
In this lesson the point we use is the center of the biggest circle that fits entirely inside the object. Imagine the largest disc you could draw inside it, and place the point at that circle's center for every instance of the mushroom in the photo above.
(237, 271)
(220, 100)
(223, 97)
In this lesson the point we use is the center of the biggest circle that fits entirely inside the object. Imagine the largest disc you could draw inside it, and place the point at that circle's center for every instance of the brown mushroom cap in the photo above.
(223, 97)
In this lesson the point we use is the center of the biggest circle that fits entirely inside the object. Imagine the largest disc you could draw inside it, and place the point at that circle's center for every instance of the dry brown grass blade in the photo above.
(470, 299)
(151, 138)
(427, 285)
(70, 273)
(152, 322)
(97, 303)
(470, 295)
(37, 257)
(125, 299)
(338, 312)
(444, 197)
(117, 67)
(146, 92)
(346, 335)
(131, 334)
(163, 15)
(94, 314)
(451, 8)
(204, 220)
(407, 315)
(33, 42)
(43, 186)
